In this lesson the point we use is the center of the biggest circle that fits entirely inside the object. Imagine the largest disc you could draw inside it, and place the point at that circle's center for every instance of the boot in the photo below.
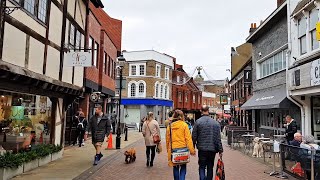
(96, 159)
(100, 156)
(151, 163)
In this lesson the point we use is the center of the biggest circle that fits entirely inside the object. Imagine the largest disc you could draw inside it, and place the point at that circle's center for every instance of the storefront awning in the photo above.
(275, 98)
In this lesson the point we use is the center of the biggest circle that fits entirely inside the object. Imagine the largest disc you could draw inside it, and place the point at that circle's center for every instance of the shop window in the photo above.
(166, 92)
(26, 117)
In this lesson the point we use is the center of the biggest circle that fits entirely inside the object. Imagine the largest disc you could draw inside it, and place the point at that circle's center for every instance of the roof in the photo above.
(300, 5)
(146, 55)
(240, 58)
(213, 82)
(274, 17)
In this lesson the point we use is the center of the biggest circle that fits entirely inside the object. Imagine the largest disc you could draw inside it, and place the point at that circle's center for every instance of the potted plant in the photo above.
(44, 154)
(30, 161)
(10, 165)
(56, 152)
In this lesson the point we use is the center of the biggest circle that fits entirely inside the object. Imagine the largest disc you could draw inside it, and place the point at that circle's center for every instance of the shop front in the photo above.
(269, 110)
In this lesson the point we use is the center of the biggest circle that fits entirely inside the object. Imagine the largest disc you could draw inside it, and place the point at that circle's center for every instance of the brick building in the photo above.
(185, 93)
(104, 41)
(241, 83)
(148, 84)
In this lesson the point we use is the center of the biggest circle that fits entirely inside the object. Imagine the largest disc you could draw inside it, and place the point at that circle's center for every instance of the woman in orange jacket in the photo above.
(180, 138)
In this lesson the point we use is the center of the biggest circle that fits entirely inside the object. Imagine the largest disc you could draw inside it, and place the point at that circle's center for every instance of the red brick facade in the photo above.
(185, 94)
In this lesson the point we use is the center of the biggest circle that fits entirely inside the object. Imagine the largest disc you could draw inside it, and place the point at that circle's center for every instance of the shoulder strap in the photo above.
(149, 129)
(170, 139)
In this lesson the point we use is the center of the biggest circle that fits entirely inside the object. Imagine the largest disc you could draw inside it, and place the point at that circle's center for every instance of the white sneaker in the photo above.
(82, 144)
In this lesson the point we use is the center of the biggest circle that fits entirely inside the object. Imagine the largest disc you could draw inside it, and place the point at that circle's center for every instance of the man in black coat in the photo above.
(100, 126)
(291, 128)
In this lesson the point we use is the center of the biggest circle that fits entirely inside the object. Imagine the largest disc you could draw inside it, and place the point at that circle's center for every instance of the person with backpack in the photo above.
(81, 124)
(206, 137)
(179, 141)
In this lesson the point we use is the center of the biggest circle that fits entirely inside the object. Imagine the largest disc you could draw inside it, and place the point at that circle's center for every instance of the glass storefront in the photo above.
(25, 119)
(316, 117)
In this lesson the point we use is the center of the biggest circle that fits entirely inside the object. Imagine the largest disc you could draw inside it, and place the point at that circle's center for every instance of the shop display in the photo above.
(25, 119)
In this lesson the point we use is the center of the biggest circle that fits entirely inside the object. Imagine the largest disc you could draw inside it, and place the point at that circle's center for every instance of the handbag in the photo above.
(159, 148)
(179, 155)
(156, 137)
(220, 170)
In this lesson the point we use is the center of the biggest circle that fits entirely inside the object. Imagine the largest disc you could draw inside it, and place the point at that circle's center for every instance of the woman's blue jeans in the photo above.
(179, 172)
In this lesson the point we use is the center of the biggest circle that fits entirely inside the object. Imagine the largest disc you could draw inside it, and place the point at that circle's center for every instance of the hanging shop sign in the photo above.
(78, 58)
(223, 99)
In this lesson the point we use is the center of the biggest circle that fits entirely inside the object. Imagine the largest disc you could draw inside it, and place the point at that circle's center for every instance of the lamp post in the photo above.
(121, 61)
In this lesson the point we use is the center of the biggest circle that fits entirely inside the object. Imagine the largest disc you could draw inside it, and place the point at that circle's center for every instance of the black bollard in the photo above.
(126, 133)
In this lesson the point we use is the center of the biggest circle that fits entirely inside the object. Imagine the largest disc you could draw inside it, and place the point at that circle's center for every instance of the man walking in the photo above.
(100, 126)
(206, 137)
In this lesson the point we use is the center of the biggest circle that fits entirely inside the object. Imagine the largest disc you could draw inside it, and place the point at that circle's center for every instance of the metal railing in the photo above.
(299, 162)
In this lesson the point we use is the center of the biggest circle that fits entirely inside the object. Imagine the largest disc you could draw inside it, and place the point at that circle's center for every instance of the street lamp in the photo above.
(121, 61)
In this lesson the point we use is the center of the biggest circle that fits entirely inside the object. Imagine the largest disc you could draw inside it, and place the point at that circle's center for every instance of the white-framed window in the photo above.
(141, 70)
(180, 96)
(141, 89)
(166, 92)
(161, 90)
(178, 79)
(167, 73)
(194, 99)
(157, 90)
(133, 70)
(302, 29)
(273, 64)
(158, 70)
(133, 90)
(313, 19)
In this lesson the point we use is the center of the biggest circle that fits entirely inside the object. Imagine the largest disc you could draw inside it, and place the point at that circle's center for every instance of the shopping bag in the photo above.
(296, 169)
(159, 148)
(220, 170)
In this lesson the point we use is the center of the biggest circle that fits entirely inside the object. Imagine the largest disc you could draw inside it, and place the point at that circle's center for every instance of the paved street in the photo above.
(237, 167)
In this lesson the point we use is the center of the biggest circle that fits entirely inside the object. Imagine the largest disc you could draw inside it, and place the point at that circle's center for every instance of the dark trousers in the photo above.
(114, 127)
(206, 161)
(79, 137)
(153, 153)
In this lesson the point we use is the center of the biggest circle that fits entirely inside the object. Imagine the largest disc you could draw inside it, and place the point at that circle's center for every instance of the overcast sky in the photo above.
(196, 32)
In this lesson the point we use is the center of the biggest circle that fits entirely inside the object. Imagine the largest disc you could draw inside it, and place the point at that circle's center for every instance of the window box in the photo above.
(8, 173)
(44, 160)
(57, 155)
(30, 165)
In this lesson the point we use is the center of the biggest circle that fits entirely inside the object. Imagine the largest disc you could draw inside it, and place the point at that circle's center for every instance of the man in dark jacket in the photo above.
(291, 128)
(206, 137)
(100, 126)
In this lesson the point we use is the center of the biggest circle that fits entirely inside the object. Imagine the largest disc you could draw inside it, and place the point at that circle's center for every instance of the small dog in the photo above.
(130, 155)
(257, 148)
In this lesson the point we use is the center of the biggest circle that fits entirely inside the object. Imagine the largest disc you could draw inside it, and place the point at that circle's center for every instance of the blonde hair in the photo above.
(150, 116)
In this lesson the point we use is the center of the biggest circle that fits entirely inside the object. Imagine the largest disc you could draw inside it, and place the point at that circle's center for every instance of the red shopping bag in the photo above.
(220, 170)
(296, 169)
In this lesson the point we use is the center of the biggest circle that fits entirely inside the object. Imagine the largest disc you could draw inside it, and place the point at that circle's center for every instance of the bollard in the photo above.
(313, 153)
(126, 133)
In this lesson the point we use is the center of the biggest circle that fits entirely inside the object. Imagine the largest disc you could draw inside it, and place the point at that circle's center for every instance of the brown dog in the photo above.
(130, 155)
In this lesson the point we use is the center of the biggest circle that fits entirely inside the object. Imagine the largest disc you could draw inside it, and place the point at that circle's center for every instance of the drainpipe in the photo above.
(288, 55)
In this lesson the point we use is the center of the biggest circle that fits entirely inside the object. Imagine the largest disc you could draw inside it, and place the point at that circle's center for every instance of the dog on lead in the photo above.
(257, 148)
(130, 155)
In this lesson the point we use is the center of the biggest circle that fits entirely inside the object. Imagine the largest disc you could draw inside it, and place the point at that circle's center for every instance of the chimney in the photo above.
(253, 27)
(280, 2)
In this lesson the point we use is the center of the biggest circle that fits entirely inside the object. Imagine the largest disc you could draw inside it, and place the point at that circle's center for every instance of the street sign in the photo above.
(77, 58)
(318, 31)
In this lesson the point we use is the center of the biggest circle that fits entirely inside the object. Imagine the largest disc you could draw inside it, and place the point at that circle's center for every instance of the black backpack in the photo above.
(80, 125)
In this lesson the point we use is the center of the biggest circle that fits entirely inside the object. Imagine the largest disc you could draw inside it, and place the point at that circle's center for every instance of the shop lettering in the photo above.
(264, 98)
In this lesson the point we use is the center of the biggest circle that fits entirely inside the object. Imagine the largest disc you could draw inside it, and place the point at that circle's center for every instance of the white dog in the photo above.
(257, 148)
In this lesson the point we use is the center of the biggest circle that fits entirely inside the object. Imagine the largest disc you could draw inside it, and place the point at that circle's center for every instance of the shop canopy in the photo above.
(270, 99)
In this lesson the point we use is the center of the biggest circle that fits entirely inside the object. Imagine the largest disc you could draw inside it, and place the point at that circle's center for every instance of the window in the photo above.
(105, 63)
(78, 40)
(186, 98)
(133, 90)
(29, 5)
(166, 92)
(194, 99)
(158, 70)
(96, 52)
(167, 73)
(71, 36)
(273, 64)
(133, 70)
(42, 12)
(180, 96)
(141, 89)
(91, 47)
(161, 90)
(157, 90)
(178, 79)
(302, 28)
(312, 28)
(141, 67)
(109, 65)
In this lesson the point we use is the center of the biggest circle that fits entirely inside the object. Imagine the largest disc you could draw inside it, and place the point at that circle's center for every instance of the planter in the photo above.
(7, 173)
(14, 139)
(30, 165)
(44, 160)
(56, 156)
